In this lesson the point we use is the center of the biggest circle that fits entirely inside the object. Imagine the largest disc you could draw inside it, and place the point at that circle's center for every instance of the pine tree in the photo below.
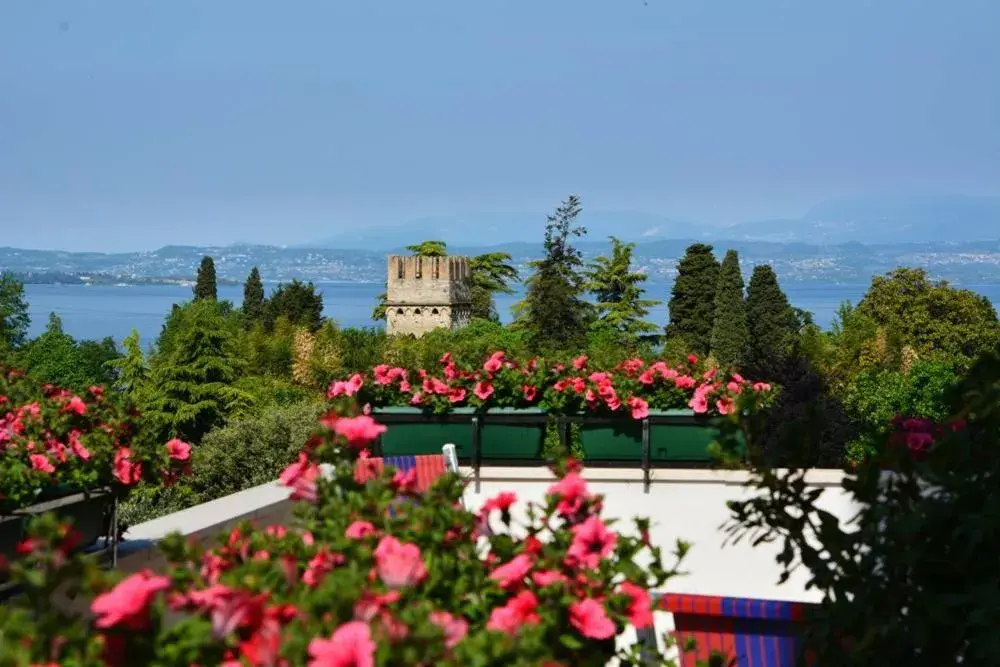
(621, 310)
(253, 299)
(730, 333)
(205, 287)
(770, 319)
(553, 311)
(130, 370)
(14, 318)
(491, 273)
(692, 301)
(192, 385)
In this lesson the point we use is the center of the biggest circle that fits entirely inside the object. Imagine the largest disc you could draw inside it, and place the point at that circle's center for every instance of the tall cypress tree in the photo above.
(253, 298)
(692, 302)
(729, 332)
(771, 320)
(553, 311)
(205, 287)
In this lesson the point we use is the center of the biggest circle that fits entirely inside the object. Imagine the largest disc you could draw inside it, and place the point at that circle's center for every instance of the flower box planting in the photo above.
(70, 455)
(638, 411)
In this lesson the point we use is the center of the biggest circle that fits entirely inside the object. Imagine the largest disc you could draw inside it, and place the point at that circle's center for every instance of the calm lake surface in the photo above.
(96, 311)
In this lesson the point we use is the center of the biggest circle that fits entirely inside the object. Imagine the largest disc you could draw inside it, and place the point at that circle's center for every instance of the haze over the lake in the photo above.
(132, 124)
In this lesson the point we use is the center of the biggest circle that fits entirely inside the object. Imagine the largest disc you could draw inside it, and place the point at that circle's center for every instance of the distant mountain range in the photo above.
(844, 241)
(867, 220)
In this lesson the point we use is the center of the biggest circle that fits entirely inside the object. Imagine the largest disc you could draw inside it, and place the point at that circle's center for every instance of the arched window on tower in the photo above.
(434, 311)
(399, 311)
(416, 311)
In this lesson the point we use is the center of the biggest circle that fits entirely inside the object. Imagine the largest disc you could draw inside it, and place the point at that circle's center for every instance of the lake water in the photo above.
(95, 311)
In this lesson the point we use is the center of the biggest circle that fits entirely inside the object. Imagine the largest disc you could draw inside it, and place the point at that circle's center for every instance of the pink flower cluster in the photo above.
(918, 435)
(55, 436)
(634, 387)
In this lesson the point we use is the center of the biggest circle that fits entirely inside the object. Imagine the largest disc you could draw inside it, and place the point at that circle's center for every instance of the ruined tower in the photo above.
(427, 293)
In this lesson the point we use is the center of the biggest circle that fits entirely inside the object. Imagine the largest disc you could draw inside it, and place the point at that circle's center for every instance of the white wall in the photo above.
(682, 504)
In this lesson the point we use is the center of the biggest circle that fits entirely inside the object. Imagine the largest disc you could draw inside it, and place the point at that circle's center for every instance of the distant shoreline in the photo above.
(57, 278)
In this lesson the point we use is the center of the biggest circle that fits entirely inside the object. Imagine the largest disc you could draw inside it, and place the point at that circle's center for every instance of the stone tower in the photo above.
(427, 293)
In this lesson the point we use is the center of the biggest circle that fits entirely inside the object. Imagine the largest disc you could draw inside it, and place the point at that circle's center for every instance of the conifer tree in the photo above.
(253, 298)
(298, 302)
(770, 319)
(130, 370)
(553, 311)
(621, 310)
(692, 301)
(192, 385)
(730, 334)
(14, 318)
(491, 273)
(205, 287)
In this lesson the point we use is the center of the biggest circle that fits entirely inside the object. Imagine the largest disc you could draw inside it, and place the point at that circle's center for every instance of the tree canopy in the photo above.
(730, 332)
(205, 286)
(692, 300)
(621, 308)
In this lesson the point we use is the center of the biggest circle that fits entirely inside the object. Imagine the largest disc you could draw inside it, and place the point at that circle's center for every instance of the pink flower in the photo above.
(350, 646)
(358, 431)
(699, 402)
(348, 388)
(494, 363)
(399, 564)
(684, 381)
(692, 359)
(519, 611)
(589, 617)
(127, 604)
(454, 628)
(301, 478)
(42, 463)
(592, 541)
(456, 395)
(178, 450)
(724, 405)
(512, 573)
(646, 377)
(76, 405)
(359, 530)
(322, 563)
(571, 491)
(580, 362)
(639, 407)
(125, 471)
(761, 387)
(483, 390)
(77, 445)
(640, 609)
(530, 392)
(544, 578)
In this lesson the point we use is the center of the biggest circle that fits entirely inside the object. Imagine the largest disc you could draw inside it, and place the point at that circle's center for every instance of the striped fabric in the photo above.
(756, 633)
(429, 468)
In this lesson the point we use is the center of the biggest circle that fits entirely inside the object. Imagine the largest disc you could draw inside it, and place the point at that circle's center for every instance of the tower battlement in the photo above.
(425, 293)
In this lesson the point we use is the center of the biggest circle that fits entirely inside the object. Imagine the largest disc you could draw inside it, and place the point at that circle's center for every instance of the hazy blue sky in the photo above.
(129, 124)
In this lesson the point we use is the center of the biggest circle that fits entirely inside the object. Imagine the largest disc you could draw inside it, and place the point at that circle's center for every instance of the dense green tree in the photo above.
(553, 310)
(298, 302)
(931, 317)
(621, 308)
(205, 286)
(429, 249)
(192, 384)
(130, 371)
(771, 321)
(730, 333)
(57, 358)
(491, 273)
(253, 298)
(14, 318)
(692, 300)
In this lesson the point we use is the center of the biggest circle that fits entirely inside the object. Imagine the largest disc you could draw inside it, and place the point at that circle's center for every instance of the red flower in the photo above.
(571, 491)
(503, 501)
(513, 573)
(399, 564)
(530, 392)
(350, 646)
(125, 470)
(592, 541)
(456, 394)
(76, 405)
(588, 616)
(639, 407)
(127, 604)
(519, 611)
(323, 562)
(580, 362)
(544, 578)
